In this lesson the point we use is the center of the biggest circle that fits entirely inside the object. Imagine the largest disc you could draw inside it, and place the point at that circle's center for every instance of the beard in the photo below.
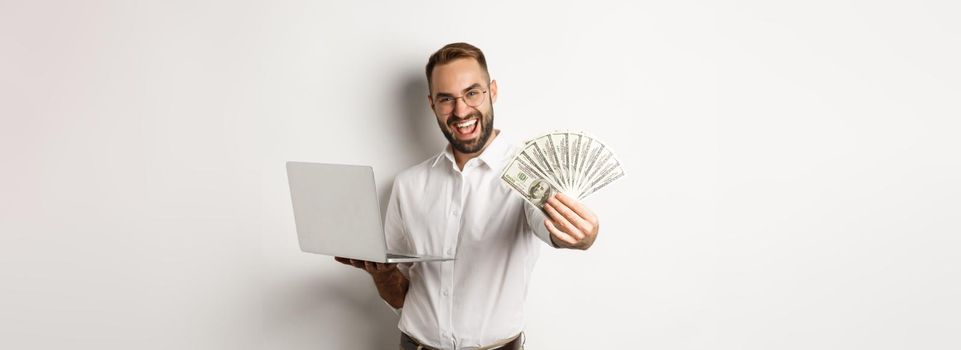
(485, 122)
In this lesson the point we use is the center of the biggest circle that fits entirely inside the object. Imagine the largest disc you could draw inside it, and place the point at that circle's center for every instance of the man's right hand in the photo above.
(375, 269)
(391, 283)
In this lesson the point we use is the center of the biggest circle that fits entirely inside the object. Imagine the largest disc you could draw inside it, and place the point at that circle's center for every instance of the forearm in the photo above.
(392, 287)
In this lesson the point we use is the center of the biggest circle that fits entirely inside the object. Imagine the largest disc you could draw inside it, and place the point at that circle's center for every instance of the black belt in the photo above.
(409, 343)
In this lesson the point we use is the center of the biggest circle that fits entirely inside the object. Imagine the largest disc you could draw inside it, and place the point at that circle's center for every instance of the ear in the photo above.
(430, 101)
(493, 91)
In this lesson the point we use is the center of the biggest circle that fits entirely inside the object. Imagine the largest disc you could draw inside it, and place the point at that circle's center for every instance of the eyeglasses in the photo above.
(473, 98)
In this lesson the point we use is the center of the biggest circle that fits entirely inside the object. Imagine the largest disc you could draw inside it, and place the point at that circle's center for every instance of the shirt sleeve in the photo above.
(396, 233)
(535, 220)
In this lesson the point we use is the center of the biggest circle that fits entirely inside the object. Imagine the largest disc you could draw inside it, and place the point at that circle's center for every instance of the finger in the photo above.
(574, 218)
(370, 266)
(558, 234)
(357, 263)
(342, 260)
(582, 210)
(564, 224)
(574, 212)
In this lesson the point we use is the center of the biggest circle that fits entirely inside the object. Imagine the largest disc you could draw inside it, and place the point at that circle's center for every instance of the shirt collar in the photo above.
(446, 153)
(494, 155)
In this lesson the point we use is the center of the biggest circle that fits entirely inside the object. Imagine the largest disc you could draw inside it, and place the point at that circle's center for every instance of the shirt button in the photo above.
(453, 212)
(446, 292)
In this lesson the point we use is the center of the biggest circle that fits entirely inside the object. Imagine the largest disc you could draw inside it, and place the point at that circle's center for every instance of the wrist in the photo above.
(384, 276)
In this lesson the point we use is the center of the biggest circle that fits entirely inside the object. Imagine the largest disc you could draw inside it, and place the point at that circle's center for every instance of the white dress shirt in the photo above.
(437, 209)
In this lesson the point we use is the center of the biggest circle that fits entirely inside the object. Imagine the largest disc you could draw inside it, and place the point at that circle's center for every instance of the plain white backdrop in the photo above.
(793, 168)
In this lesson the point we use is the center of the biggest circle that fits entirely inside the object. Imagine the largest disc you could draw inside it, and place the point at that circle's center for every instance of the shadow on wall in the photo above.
(419, 138)
(423, 139)
(342, 310)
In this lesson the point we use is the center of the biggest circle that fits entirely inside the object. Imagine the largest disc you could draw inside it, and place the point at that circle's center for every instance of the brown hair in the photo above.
(452, 52)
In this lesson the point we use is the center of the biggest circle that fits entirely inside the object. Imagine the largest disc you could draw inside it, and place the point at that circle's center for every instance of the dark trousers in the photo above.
(408, 343)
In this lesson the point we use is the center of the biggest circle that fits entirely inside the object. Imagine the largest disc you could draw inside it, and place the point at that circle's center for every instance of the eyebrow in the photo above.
(447, 94)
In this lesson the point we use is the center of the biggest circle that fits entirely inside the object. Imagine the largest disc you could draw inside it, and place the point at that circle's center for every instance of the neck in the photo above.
(462, 158)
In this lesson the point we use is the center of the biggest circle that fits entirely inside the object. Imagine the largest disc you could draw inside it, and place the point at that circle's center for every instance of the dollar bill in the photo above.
(573, 163)
(544, 148)
(614, 176)
(575, 148)
(598, 169)
(590, 160)
(564, 157)
(553, 150)
(528, 183)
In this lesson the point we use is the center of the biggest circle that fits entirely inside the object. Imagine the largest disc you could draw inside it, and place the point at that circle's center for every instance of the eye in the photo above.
(473, 93)
(444, 99)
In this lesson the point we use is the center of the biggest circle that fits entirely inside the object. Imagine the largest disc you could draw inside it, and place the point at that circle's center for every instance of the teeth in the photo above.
(467, 123)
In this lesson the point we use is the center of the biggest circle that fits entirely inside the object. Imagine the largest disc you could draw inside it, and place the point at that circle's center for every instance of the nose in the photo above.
(461, 109)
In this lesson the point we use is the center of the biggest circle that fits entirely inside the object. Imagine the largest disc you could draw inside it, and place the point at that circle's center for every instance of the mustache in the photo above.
(452, 121)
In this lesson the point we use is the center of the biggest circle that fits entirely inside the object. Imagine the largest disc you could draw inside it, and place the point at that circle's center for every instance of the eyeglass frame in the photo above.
(453, 101)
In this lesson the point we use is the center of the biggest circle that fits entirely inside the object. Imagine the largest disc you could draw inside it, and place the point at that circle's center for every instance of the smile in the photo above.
(466, 129)
(467, 124)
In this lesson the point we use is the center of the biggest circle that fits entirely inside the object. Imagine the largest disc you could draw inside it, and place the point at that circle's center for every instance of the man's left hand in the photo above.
(571, 224)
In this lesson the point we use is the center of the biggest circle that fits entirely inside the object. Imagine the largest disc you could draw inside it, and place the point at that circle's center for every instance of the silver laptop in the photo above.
(337, 214)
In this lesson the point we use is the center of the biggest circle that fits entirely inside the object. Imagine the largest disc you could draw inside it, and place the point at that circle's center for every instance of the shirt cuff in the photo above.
(535, 219)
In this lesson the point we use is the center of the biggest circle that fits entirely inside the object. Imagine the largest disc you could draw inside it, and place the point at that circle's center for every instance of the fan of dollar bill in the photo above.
(572, 163)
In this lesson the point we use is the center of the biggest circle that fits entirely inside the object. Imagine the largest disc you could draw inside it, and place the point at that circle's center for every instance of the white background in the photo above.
(793, 168)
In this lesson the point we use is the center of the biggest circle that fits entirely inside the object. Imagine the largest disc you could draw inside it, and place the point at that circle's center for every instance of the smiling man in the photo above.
(454, 204)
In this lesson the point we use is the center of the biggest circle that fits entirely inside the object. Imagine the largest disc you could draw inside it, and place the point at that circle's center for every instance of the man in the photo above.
(454, 204)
